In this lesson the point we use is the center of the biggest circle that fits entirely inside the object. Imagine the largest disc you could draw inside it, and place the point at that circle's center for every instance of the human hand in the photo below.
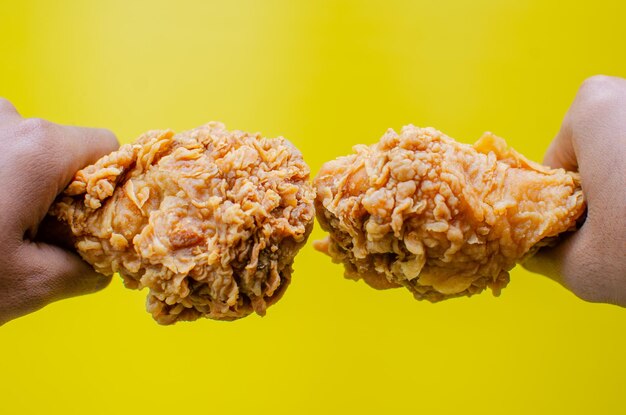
(591, 262)
(37, 161)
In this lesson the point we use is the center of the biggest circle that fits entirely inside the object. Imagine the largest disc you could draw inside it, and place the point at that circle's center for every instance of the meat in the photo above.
(442, 219)
(208, 220)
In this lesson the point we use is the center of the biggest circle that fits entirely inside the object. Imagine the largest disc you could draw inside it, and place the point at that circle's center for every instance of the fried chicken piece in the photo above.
(440, 218)
(209, 220)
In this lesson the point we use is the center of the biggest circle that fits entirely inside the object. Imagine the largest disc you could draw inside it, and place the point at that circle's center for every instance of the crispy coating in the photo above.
(440, 218)
(209, 220)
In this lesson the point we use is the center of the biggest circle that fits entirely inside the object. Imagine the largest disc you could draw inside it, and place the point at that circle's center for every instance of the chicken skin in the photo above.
(208, 220)
(443, 219)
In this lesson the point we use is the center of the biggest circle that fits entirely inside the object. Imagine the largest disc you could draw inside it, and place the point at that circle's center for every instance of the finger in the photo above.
(62, 150)
(560, 153)
(7, 111)
(559, 262)
(80, 147)
(584, 263)
(47, 157)
(597, 121)
(548, 260)
(594, 122)
(53, 274)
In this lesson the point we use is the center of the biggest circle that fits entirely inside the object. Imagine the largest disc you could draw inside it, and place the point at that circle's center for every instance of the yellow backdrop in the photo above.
(326, 75)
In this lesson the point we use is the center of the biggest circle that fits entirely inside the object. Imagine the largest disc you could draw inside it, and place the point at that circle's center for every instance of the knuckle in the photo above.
(38, 136)
(6, 105)
(597, 81)
(602, 90)
(35, 126)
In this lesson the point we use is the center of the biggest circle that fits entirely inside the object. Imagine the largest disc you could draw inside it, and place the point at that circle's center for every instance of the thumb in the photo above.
(549, 261)
(575, 264)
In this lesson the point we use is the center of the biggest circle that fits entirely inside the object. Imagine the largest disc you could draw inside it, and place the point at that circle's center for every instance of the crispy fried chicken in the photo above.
(208, 220)
(440, 218)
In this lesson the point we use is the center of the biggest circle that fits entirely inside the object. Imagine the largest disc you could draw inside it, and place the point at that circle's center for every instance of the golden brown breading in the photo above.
(209, 220)
(441, 218)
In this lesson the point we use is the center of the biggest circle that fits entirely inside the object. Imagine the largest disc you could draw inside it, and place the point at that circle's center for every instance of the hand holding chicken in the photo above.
(440, 218)
(208, 220)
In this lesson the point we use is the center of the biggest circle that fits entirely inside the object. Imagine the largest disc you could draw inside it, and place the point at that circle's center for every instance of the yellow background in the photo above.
(326, 75)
